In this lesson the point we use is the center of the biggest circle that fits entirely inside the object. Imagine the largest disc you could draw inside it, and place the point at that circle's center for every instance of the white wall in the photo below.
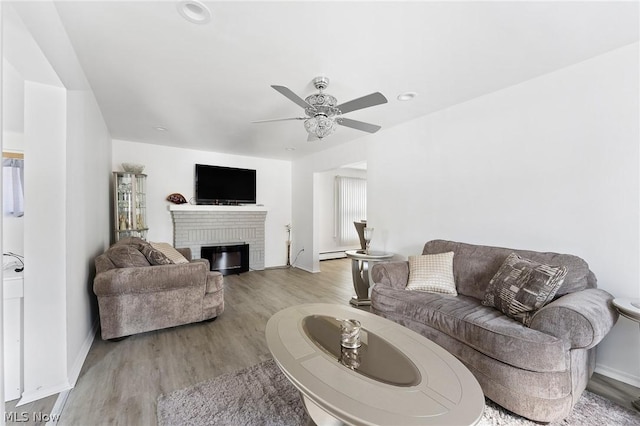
(307, 202)
(325, 188)
(12, 141)
(45, 234)
(68, 160)
(171, 170)
(2, 348)
(88, 151)
(551, 164)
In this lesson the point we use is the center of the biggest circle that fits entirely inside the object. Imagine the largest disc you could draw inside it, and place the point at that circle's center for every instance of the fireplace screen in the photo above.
(227, 259)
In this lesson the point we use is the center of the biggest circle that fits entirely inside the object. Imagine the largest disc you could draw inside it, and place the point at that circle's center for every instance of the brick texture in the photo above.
(196, 229)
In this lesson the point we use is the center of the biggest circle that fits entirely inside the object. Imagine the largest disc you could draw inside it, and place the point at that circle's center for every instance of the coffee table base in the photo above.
(356, 301)
(318, 416)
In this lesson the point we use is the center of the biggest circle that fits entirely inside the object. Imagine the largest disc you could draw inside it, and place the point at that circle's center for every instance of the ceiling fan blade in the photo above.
(358, 125)
(292, 96)
(280, 119)
(367, 101)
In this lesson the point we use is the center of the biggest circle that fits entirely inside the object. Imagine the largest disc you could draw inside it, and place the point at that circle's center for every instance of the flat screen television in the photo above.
(225, 185)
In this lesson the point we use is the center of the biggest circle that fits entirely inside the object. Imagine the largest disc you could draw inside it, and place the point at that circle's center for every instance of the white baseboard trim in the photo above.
(56, 411)
(618, 375)
(28, 397)
(332, 255)
(74, 373)
(63, 388)
(306, 269)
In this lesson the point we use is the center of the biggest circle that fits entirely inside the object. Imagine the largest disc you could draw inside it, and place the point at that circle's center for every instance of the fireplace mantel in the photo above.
(212, 208)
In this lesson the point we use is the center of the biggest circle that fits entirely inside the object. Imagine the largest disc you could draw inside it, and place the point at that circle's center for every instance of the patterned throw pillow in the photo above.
(168, 250)
(155, 257)
(432, 273)
(522, 286)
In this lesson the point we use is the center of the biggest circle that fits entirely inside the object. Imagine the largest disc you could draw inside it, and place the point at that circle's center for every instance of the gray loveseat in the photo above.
(135, 296)
(538, 372)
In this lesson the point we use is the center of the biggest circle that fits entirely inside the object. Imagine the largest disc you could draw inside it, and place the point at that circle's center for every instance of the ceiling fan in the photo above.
(322, 111)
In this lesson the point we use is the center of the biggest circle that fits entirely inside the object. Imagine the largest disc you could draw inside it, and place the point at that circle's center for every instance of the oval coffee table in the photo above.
(397, 377)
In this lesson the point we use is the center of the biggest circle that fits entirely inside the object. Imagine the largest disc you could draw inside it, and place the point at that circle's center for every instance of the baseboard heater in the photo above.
(227, 259)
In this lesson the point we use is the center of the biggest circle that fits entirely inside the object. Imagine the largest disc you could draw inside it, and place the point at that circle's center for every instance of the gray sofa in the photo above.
(538, 372)
(139, 289)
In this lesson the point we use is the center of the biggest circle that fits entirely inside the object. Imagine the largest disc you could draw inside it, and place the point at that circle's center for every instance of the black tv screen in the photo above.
(225, 185)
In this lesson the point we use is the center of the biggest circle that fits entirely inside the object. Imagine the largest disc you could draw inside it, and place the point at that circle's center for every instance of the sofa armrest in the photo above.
(394, 274)
(149, 279)
(186, 252)
(204, 261)
(582, 318)
(215, 282)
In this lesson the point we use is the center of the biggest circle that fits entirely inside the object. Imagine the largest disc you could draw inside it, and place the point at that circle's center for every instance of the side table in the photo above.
(630, 309)
(360, 262)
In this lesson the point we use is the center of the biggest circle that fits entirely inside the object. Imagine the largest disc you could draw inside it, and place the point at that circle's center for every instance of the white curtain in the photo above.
(13, 186)
(350, 206)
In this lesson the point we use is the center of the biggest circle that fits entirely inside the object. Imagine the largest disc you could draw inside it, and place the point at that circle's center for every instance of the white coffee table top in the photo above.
(629, 308)
(447, 393)
(373, 255)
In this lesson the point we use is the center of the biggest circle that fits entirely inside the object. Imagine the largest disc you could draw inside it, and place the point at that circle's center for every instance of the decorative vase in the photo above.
(350, 333)
(368, 234)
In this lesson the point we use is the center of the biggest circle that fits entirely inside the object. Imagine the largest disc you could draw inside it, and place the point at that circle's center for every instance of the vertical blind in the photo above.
(13, 186)
(350, 206)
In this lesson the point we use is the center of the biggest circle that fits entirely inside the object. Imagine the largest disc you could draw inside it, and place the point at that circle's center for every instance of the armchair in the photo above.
(139, 289)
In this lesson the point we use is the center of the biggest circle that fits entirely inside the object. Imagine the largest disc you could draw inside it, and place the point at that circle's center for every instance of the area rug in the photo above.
(262, 395)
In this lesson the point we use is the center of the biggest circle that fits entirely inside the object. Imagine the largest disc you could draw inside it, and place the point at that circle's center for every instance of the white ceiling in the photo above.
(206, 83)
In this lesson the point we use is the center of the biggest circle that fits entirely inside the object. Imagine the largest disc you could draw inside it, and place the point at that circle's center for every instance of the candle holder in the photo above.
(368, 234)
(350, 333)
(350, 358)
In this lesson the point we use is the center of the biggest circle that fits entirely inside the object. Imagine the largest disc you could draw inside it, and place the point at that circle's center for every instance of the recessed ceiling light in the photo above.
(407, 96)
(289, 149)
(160, 129)
(194, 11)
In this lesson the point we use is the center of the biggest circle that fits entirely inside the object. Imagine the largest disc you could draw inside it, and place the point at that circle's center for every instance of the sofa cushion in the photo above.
(522, 286)
(155, 257)
(485, 329)
(474, 266)
(170, 252)
(432, 273)
(126, 256)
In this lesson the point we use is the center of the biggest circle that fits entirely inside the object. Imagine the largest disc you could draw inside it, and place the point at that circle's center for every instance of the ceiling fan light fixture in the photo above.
(194, 11)
(322, 103)
(322, 112)
(320, 126)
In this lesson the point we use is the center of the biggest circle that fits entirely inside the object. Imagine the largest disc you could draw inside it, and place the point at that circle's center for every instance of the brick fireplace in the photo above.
(197, 226)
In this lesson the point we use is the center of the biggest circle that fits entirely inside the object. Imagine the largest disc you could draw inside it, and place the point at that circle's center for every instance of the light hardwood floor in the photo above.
(120, 381)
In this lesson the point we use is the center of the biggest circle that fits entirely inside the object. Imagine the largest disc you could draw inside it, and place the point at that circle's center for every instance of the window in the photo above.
(351, 206)
(13, 184)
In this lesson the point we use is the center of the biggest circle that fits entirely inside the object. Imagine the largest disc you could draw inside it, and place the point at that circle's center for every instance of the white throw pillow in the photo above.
(432, 273)
(168, 250)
